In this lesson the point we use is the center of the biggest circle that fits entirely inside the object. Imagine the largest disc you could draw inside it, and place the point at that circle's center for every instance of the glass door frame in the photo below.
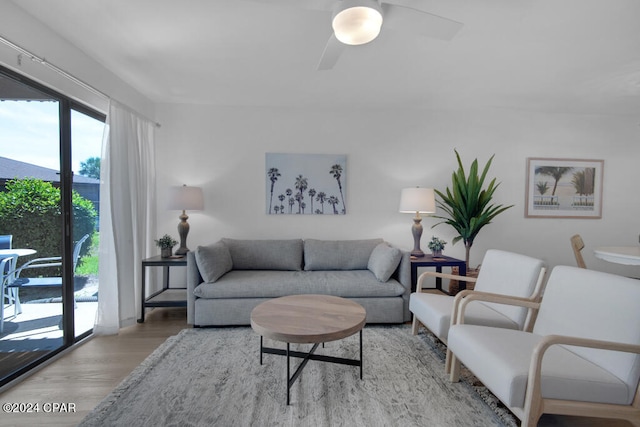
(65, 107)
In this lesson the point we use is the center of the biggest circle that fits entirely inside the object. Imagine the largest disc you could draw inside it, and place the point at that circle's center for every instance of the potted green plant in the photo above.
(166, 244)
(436, 246)
(467, 204)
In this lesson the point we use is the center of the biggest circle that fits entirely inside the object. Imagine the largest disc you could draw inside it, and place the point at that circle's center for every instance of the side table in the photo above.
(166, 297)
(437, 262)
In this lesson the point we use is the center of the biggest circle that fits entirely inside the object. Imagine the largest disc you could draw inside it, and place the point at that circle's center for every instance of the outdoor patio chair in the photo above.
(43, 282)
(582, 357)
(7, 269)
(8, 294)
(503, 273)
(5, 241)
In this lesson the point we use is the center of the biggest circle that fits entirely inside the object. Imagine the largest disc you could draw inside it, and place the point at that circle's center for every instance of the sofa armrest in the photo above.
(403, 272)
(403, 276)
(193, 280)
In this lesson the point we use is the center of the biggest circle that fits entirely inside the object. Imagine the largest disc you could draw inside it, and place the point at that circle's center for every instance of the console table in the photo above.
(437, 262)
(166, 297)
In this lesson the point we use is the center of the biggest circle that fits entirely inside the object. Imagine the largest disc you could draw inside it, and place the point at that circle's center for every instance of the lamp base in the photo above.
(183, 230)
(182, 251)
(416, 230)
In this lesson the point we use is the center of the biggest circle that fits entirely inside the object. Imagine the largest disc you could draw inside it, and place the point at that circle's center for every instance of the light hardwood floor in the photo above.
(87, 374)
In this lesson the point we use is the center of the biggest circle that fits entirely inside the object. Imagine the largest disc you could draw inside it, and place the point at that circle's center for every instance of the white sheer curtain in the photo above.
(127, 216)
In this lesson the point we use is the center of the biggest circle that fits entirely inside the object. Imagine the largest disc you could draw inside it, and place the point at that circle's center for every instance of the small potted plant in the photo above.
(436, 245)
(166, 244)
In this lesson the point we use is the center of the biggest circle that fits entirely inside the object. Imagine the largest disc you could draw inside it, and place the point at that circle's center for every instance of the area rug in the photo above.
(213, 377)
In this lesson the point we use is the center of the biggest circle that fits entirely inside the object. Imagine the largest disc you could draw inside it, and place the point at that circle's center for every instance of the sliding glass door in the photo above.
(86, 143)
(49, 203)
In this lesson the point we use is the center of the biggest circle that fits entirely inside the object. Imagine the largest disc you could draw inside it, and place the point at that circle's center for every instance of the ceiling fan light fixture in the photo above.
(357, 22)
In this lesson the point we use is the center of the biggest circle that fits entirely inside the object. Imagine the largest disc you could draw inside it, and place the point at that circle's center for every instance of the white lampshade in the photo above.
(186, 198)
(417, 199)
(357, 21)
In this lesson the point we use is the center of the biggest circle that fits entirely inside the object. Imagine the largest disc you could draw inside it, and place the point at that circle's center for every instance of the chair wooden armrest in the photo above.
(426, 274)
(534, 404)
(464, 298)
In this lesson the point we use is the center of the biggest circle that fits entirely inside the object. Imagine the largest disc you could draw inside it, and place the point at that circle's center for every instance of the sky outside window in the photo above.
(28, 128)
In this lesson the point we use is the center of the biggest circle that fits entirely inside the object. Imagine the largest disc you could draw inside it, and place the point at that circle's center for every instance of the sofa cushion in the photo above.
(383, 261)
(213, 261)
(272, 284)
(338, 254)
(265, 254)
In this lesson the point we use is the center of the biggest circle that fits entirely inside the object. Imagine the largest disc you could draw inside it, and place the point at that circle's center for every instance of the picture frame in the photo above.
(305, 184)
(564, 188)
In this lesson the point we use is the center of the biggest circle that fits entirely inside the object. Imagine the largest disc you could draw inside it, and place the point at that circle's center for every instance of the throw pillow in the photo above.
(213, 261)
(383, 261)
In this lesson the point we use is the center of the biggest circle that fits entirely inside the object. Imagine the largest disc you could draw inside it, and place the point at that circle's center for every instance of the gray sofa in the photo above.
(227, 279)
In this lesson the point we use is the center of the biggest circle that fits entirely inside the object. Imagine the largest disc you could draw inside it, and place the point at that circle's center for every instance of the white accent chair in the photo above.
(582, 357)
(504, 273)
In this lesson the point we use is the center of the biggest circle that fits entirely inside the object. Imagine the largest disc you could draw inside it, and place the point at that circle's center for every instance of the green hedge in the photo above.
(30, 211)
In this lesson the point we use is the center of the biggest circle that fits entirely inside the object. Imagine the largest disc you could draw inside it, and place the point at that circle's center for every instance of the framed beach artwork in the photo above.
(305, 184)
(564, 188)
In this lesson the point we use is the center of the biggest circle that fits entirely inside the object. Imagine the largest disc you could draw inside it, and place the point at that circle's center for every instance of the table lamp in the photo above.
(185, 198)
(418, 200)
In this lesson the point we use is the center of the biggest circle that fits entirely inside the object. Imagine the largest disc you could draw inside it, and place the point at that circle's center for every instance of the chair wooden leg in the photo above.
(454, 376)
(415, 325)
(533, 403)
(447, 362)
(530, 419)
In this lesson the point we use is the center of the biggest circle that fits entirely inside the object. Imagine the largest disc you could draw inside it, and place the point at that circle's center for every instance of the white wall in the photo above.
(223, 150)
(28, 33)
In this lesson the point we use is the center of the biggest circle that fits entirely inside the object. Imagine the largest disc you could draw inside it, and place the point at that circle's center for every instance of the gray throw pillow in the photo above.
(213, 261)
(383, 261)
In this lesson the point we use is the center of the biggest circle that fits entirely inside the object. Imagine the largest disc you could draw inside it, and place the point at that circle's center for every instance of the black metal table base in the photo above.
(291, 379)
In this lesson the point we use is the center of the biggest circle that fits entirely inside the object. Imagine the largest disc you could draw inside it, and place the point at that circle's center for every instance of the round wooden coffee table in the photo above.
(311, 319)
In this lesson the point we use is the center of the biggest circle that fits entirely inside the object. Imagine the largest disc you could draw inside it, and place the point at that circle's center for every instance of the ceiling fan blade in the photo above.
(416, 21)
(332, 52)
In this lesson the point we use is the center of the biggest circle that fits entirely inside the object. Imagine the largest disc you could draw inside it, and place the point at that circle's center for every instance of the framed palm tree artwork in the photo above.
(564, 188)
(305, 184)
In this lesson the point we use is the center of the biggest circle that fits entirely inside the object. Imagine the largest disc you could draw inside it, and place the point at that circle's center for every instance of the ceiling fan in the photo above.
(356, 22)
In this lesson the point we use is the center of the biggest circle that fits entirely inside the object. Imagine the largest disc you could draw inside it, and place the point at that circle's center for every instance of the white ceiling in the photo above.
(576, 56)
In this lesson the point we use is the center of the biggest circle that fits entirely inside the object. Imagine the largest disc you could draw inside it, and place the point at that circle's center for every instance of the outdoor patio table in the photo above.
(19, 252)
